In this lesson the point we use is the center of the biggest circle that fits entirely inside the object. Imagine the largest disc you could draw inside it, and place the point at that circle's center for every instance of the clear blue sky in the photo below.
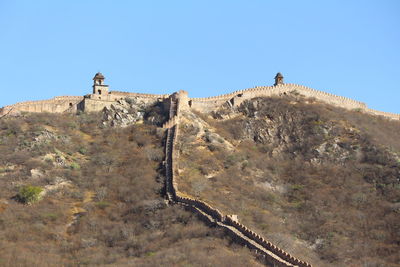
(208, 47)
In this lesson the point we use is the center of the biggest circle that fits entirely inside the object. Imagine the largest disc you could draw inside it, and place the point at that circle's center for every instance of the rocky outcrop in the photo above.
(123, 113)
(128, 111)
(288, 125)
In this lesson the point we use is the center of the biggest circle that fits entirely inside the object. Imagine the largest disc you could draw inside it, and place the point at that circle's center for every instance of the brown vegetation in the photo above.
(319, 181)
(102, 202)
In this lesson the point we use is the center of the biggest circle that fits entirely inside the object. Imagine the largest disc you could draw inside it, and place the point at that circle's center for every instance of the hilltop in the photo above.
(101, 97)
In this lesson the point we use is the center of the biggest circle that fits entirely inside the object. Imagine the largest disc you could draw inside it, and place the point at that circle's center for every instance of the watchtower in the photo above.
(183, 99)
(278, 79)
(99, 88)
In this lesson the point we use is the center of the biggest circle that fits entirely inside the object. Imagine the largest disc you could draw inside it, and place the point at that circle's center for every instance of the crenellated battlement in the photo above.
(53, 100)
(382, 113)
(129, 94)
(204, 104)
(57, 104)
(208, 104)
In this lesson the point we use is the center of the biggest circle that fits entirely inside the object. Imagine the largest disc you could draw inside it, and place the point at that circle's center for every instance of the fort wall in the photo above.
(207, 104)
(96, 102)
(57, 104)
(89, 103)
(94, 105)
(272, 254)
(264, 243)
(204, 104)
(141, 95)
(393, 116)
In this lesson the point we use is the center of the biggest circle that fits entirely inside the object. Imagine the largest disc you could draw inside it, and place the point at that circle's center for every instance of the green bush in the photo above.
(29, 194)
(82, 150)
(102, 204)
(50, 216)
(75, 166)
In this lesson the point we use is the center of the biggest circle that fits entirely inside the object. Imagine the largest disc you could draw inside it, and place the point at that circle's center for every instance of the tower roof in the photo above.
(279, 75)
(98, 75)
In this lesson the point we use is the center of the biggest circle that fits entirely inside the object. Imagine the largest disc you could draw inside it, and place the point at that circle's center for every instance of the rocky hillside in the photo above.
(75, 191)
(321, 182)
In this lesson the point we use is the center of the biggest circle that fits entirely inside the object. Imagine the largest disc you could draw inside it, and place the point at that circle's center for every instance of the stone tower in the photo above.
(278, 79)
(99, 88)
(183, 99)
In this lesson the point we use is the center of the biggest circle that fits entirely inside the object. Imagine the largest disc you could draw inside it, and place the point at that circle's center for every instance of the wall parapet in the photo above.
(280, 88)
(266, 244)
(58, 104)
(171, 122)
(52, 100)
(138, 94)
(206, 104)
(382, 113)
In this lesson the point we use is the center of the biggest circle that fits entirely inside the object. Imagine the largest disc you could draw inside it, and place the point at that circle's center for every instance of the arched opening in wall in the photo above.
(70, 104)
(99, 92)
(190, 103)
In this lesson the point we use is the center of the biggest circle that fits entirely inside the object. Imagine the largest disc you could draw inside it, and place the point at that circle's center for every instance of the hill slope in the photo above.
(321, 182)
(318, 181)
(102, 202)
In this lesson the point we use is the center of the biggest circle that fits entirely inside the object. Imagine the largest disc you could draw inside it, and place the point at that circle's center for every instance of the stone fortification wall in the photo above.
(264, 243)
(128, 94)
(208, 104)
(94, 105)
(57, 104)
(235, 98)
(91, 102)
(393, 116)
(96, 102)
(272, 254)
(170, 123)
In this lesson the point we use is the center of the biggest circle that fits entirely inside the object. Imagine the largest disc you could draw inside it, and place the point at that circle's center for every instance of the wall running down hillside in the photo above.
(272, 254)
